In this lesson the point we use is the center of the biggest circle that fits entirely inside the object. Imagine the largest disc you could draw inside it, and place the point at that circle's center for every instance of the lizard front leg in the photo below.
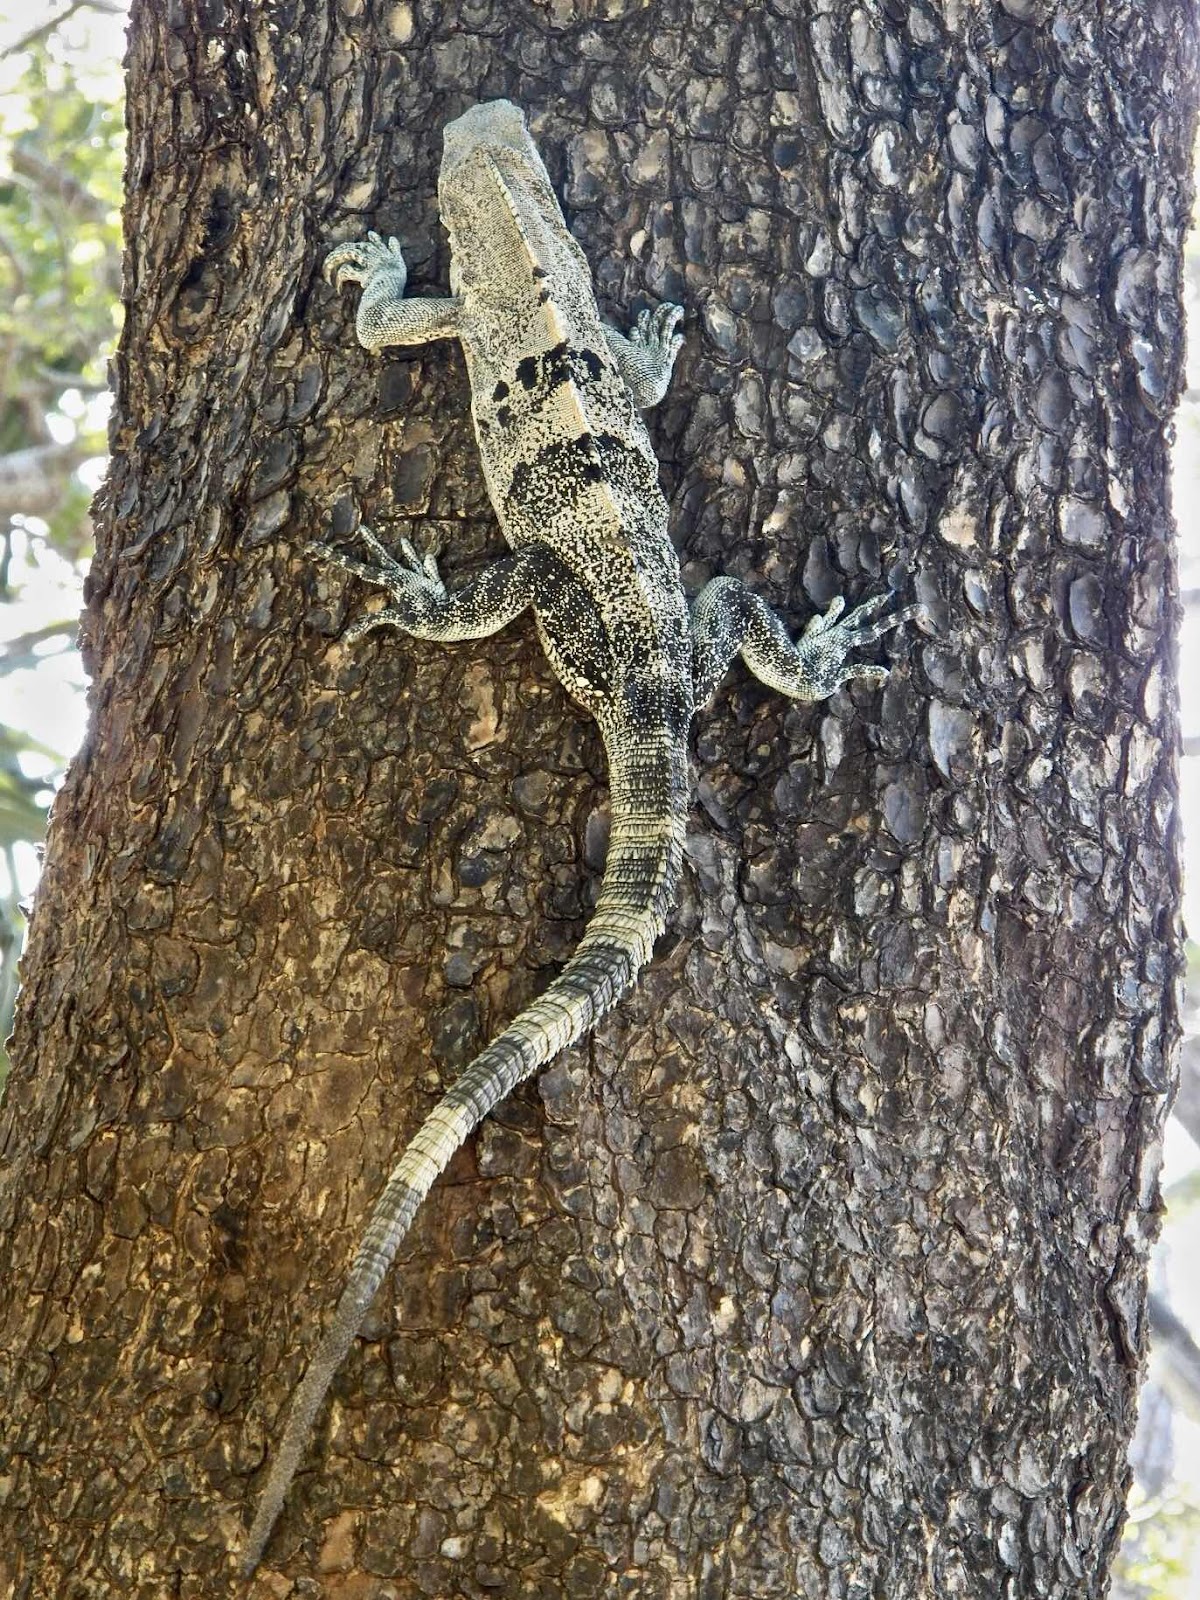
(646, 355)
(423, 606)
(728, 618)
(385, 317)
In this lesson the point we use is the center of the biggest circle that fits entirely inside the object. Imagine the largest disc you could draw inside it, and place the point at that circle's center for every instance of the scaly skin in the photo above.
(556, 399)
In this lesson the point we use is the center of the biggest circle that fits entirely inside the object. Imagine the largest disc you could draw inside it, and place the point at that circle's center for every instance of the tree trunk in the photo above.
(821, 1270)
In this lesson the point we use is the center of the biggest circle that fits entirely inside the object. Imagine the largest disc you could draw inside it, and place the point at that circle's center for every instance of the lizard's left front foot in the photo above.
(415, 584)
(822, 649)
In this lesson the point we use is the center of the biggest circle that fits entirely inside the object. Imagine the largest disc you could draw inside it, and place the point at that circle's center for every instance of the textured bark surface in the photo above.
(821, 1271)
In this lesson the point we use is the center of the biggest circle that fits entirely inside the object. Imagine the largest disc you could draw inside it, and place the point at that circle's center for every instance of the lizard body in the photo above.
(556, 397)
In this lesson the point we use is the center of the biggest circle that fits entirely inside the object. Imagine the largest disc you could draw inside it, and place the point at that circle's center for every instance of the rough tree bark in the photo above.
(821, 1271)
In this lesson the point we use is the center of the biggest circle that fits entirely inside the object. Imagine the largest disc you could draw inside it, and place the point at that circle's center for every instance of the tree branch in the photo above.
(45, 29)
(1179, 1354)
(14, 261)
(31, 481)
(71, 380)
(20, 652)
(52, 180)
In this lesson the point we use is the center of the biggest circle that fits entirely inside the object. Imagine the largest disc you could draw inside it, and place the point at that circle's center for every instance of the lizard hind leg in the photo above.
(423, 606)
(728, 619)
(415, 585)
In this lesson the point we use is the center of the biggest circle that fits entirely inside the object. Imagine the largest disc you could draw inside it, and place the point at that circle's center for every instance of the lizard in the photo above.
(557, 397)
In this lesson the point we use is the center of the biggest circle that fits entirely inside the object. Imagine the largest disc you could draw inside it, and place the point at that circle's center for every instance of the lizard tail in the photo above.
(649, 807)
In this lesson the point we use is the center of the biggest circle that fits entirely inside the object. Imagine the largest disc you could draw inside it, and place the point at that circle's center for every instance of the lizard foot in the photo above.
(829, 638)
(363, 259)
(415, 584)
(646, 355)
(657, 334)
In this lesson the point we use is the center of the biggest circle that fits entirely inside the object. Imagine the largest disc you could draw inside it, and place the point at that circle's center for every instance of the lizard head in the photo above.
(497, 202)
(496, 124)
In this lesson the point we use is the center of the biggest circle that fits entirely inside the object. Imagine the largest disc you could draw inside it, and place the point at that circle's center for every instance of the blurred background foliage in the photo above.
(61, 165)
(61, 160)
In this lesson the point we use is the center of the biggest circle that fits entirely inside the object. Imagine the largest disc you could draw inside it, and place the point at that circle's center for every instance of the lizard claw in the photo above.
(646, 354)
(829, 638)
(424, 566)
(413, 583)
(867, 635)
(824, 620)
(657, 331)
(361, 259)
(666, 326)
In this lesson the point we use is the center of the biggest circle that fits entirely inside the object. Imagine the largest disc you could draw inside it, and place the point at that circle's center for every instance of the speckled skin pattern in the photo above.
(555, 397)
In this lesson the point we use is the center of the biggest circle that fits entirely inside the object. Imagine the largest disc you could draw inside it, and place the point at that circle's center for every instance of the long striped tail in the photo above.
(648, 786)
